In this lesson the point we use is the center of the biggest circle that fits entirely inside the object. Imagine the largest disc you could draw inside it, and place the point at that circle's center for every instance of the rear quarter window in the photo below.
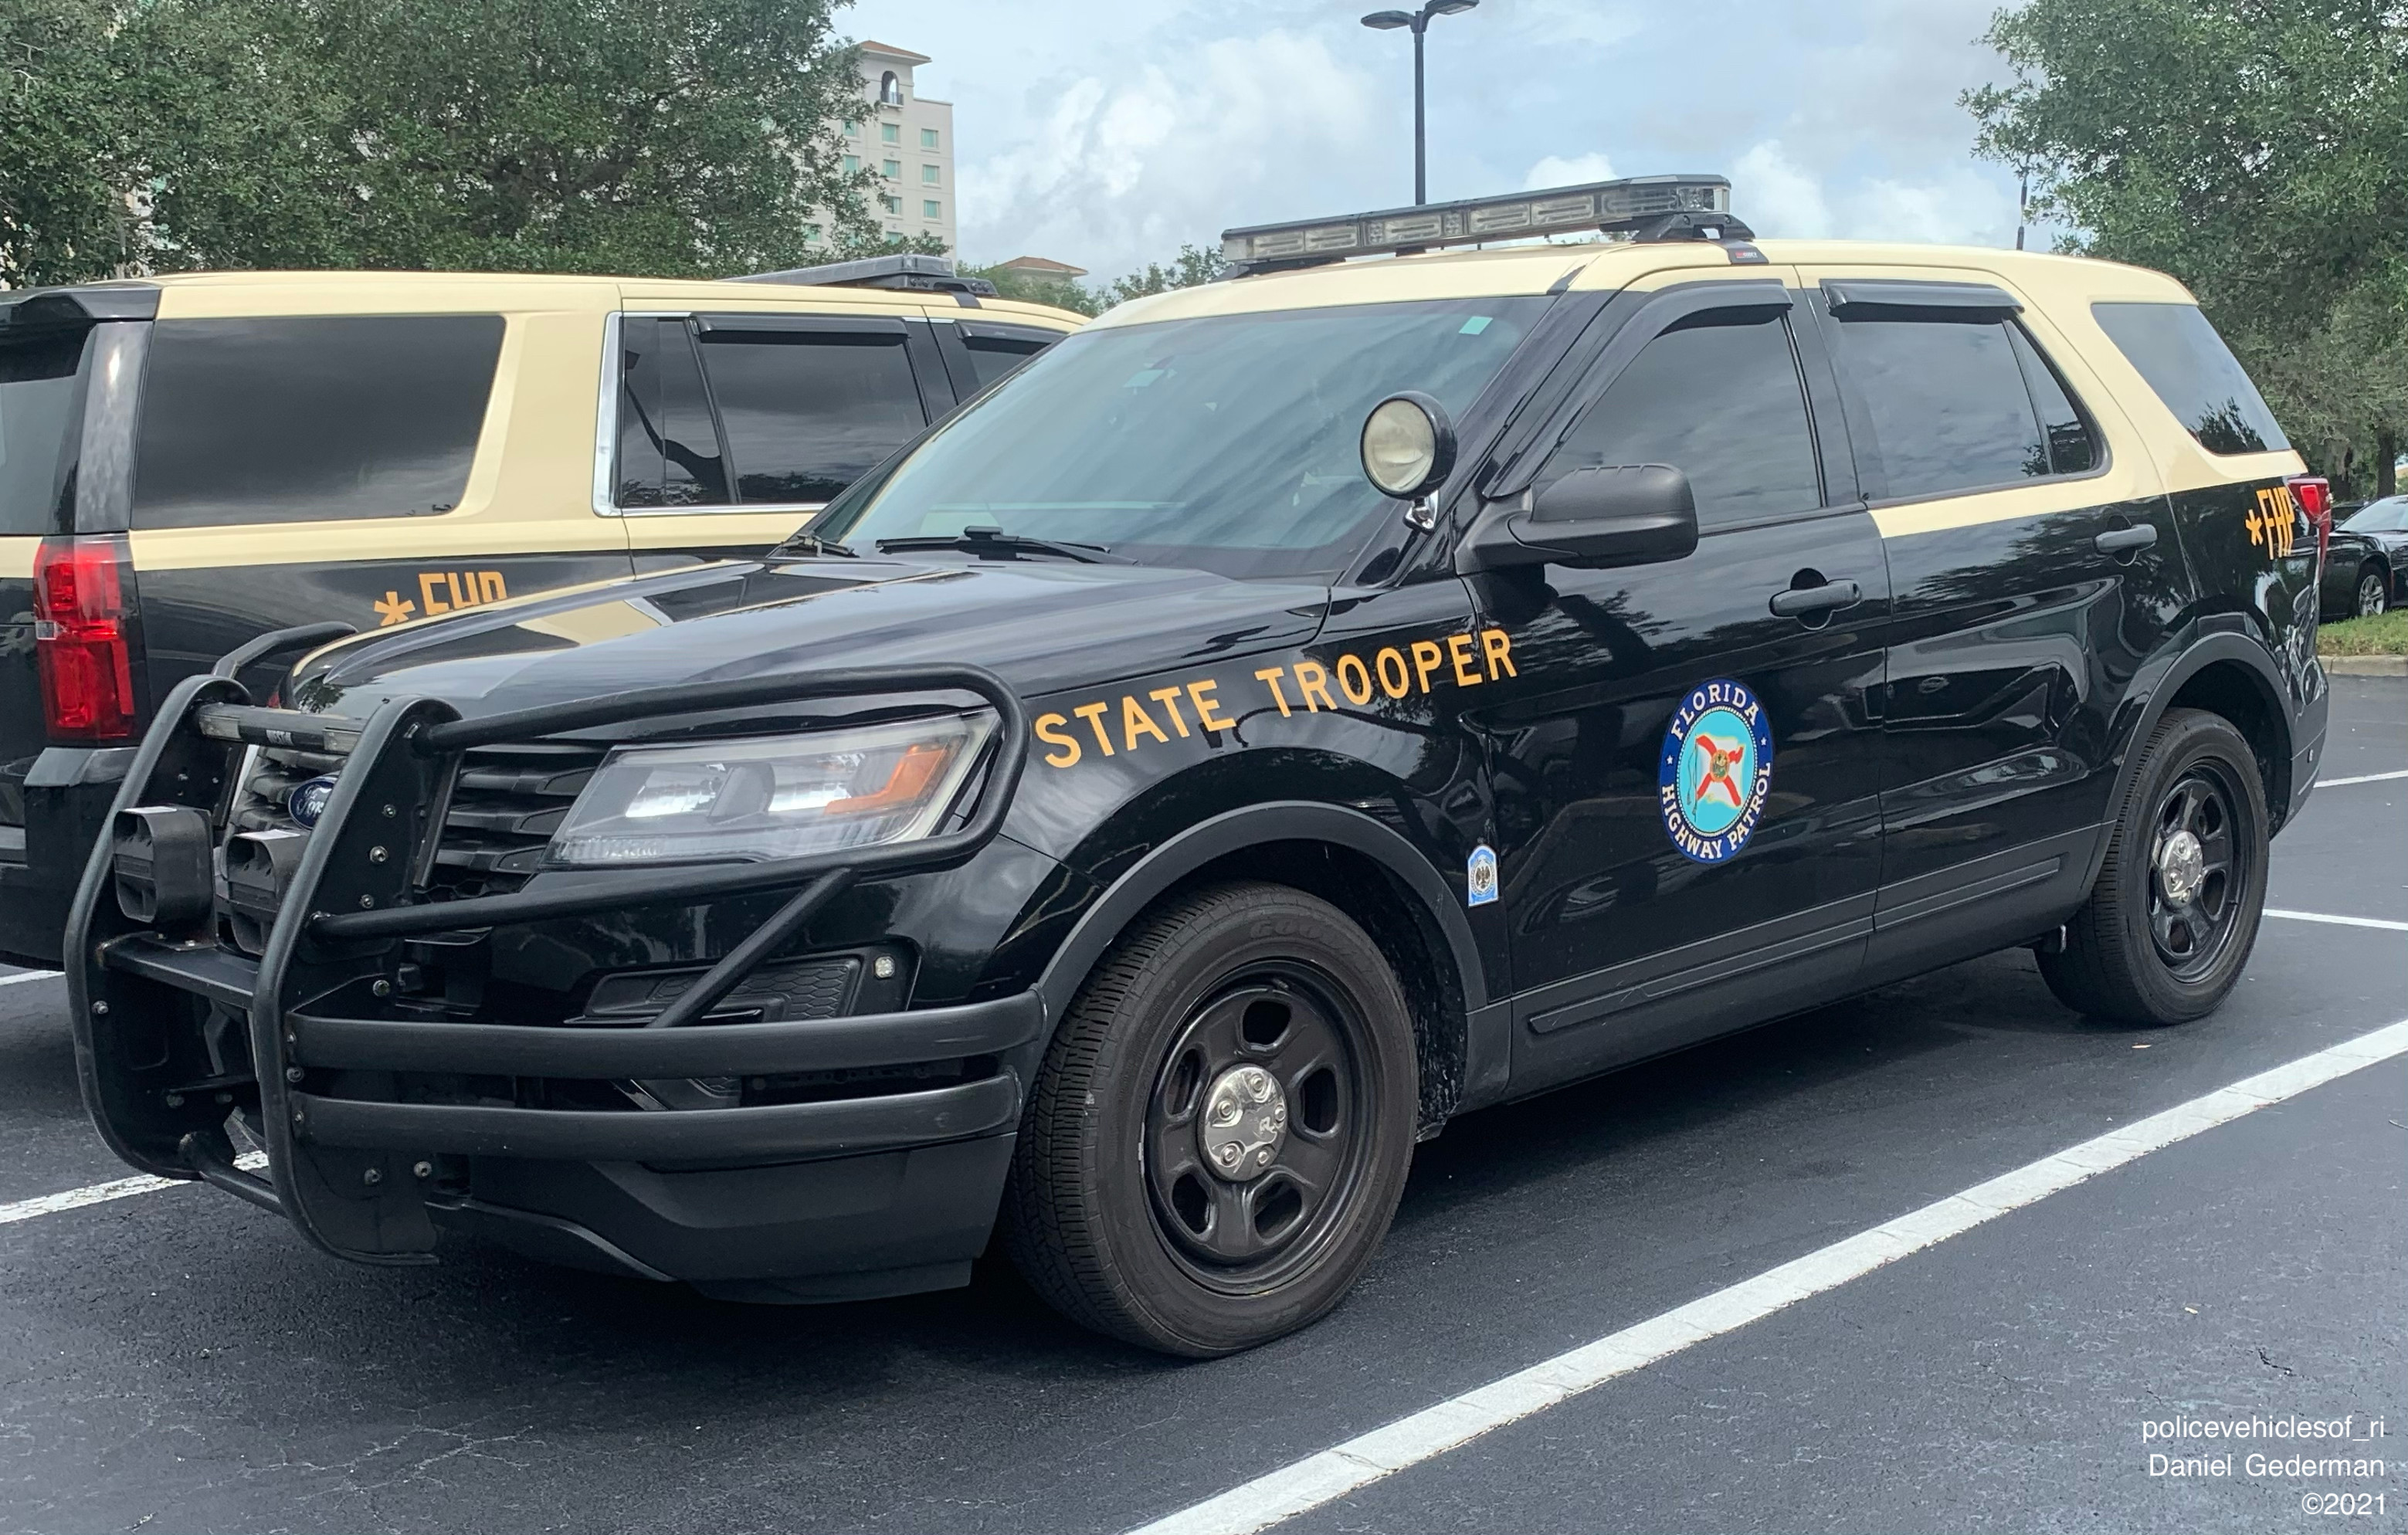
(39, 418)
(307, 419)
(2190, 368)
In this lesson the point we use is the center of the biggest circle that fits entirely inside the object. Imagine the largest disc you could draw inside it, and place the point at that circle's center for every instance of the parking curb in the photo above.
(2366, 666)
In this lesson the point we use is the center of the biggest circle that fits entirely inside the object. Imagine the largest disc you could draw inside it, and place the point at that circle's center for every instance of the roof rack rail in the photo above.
(1647, 207)
(901, 269)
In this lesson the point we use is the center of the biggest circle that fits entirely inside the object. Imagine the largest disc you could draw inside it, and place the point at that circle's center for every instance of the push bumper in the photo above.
(384, 1128)
(324, 1042)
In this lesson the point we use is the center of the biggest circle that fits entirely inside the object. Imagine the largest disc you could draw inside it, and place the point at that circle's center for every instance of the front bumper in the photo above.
(384, 1125)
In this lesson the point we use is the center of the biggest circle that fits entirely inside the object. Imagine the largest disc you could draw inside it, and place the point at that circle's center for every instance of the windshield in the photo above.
(2389, 515)
(38, 413)
(1227, 443)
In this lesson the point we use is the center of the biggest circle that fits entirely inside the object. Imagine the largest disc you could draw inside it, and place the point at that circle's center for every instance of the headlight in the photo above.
(769, 797)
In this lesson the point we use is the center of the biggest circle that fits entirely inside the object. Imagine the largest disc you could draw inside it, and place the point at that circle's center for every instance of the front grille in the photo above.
(775, 992)
(505, 806)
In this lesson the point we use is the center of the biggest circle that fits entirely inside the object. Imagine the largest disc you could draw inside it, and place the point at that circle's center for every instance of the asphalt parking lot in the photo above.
(181, 1360)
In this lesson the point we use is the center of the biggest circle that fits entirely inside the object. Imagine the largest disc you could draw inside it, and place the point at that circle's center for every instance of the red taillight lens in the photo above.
(2313, 493)
(80, 636)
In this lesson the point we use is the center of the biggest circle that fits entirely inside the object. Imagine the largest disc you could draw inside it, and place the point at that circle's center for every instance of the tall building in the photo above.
(907, 141)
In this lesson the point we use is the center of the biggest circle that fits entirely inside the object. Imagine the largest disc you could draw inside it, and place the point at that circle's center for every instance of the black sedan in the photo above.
(2364, 561)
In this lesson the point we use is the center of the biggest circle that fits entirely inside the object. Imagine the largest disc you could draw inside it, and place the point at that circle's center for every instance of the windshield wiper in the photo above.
(996, 543)
(807, 543)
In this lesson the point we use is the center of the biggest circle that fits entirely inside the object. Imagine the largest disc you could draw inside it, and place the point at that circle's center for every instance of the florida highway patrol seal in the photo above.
(1716, 770)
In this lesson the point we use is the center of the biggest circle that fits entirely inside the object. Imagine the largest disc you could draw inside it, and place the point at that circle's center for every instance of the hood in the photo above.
(1043, 626)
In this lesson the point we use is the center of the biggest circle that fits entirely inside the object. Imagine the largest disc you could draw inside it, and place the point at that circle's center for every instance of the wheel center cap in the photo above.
(1243, 1123)
(2182, 867)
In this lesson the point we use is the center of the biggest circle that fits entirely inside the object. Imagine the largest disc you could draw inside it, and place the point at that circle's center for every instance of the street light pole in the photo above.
(1421, 122)
(1419, 21)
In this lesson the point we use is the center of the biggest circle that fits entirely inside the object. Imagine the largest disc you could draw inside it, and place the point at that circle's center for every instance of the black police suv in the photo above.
(1283, 716)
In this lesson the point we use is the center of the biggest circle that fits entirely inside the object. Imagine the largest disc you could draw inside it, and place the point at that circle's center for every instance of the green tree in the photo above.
(2255, 149)
(1189, 267)
(1063, 293)
(662, 137)
(63, 209)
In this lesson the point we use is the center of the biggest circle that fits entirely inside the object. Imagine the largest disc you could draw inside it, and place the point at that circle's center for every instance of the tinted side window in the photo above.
(809, 412)
(303, 419)
(669, 449)
(2174, 348)
(37, 424)
(2073, 446)
(993, 357)
(2385, 516)
(1944, 405)
(1719, 398)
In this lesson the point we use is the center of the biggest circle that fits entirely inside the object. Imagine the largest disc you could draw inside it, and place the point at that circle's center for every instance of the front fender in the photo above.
(1231, 831)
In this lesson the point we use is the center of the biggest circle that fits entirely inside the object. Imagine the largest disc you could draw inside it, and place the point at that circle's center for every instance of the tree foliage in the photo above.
(1192, 266)
(2255, 149)
(62, 209)
(662, 137)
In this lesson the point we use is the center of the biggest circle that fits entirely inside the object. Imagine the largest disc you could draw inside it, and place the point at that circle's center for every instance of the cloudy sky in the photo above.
(1105, 133)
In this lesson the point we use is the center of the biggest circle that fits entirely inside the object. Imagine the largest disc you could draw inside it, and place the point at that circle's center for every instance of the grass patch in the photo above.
(2385, 634)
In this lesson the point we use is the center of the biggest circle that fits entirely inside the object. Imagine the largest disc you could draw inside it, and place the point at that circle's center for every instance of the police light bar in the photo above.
(1630, 203)
(910, 269)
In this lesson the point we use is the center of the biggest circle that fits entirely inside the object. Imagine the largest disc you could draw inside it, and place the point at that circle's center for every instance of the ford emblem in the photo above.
(307, 801)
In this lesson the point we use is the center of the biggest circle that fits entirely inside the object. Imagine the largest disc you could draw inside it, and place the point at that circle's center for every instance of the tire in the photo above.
(1115, 1214)
(2374, 592)
(2135, 953)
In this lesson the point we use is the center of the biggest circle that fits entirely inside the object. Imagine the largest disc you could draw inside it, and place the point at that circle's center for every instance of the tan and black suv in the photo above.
(187, 463)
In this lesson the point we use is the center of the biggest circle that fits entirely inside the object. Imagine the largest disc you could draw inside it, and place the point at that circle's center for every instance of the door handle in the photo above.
(1797, 601)
(2120, 540)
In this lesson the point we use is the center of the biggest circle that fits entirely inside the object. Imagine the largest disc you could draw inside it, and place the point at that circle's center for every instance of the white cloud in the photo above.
(1556, 171)
(1561, 23)
(1122, 168)
(1108, 133)
(1777, 199)
(1959, 205)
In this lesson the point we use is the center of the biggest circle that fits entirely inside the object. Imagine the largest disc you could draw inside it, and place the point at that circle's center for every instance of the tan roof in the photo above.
(1041, 266)
(888, 51)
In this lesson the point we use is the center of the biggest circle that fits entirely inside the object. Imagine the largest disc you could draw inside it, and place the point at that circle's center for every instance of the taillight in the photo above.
(2313, 493)
(82, 641)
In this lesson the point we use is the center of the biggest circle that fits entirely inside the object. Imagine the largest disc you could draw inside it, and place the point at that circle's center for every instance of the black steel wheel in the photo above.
(1258, 1127)
(1221, 1130)
(2374, 592)
(2195, 881)
(2174, 912)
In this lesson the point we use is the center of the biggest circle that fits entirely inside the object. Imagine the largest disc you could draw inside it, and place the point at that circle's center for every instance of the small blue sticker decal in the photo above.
(1480, 877)
(1716, 770)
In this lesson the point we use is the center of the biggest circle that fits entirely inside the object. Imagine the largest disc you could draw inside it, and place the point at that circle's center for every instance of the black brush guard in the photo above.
(346, 1153)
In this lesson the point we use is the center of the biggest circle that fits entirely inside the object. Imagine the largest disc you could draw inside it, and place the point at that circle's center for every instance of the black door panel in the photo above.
(2014, 643)
(2034, 572)
(1593, 878)
(1686, 760)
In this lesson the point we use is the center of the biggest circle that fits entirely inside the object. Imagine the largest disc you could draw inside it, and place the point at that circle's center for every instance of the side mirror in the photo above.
(1408, 450)
(1592, 519)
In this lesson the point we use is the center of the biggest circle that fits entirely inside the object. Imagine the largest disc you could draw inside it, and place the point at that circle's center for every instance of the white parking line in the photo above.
(29, 975)
(2339, 921)
(76, 1199)
(1316, 1479)
(2362, 778)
